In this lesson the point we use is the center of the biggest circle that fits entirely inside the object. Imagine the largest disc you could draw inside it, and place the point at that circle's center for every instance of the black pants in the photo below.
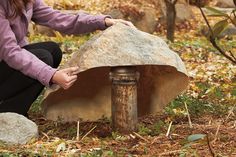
(18, 91)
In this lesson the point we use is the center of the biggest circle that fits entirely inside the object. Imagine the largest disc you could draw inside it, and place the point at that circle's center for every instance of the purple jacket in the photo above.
(13, 35)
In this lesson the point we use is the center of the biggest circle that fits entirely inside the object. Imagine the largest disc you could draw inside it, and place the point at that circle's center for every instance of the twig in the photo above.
(209, 146)
(216, 134)
(213, 42)
(168, 131)
(45, 135)
(77, 135)
(232, 55)
(88, 133)
(234, 124)
(230, 112)
(218, 128)
(170, 152)
(139, 136)
(234, 14)
(155, 139)
(204, 16)
(232, 21)
(189, 119)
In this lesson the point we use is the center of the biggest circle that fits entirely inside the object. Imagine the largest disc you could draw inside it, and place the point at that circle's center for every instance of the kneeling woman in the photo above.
(26, 68)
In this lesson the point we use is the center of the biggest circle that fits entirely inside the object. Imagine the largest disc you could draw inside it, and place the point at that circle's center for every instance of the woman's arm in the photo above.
(69, 24)
(18, 58)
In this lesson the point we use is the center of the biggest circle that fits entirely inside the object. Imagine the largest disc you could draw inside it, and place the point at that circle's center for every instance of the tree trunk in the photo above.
(171, 16)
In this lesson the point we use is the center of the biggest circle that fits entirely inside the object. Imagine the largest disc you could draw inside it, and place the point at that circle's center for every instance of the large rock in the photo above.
(228, 32)
(115, 13)
(225, 3)
(146, 20)
(183, 11)
(16, 129)
(162, 75)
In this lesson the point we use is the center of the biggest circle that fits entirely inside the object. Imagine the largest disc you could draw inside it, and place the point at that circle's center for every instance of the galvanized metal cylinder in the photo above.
(124, 98)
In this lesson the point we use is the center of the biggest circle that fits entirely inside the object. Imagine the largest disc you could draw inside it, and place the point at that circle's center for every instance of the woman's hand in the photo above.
(65, 78)
(109, 22)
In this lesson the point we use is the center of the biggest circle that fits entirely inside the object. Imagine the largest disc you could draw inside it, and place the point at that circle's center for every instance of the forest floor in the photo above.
(211, 136)
(211, 100)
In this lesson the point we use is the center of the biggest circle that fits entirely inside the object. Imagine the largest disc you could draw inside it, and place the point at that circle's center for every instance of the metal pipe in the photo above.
(124, 98)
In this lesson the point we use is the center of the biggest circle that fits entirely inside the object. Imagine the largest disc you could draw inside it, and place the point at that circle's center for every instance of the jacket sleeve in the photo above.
(21, 59)
(66, 23)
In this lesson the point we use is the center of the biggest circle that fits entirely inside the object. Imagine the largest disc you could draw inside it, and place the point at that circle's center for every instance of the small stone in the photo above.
(16, 129)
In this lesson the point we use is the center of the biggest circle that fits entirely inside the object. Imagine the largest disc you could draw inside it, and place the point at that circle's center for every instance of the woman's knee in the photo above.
(44, 56)
(48, 59)
(56, 53)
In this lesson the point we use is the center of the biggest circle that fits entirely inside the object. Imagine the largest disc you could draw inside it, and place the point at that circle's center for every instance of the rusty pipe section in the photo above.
(124, 98)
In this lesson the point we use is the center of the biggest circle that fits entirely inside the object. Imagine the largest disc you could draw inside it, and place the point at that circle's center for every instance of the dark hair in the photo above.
(18, 6)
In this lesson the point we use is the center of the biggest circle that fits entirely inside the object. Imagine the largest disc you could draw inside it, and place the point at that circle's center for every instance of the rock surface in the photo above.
(16, 129)
(225, 3)
(162, 75)
(148, 23)
(228, 32)
(183, 12)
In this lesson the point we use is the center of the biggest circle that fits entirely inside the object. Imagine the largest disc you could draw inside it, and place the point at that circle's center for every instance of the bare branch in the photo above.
(232, 55)
(209, 146)
(232, 21)
(234, 14)
(204, 16)
(213, 42)
(213, 39)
